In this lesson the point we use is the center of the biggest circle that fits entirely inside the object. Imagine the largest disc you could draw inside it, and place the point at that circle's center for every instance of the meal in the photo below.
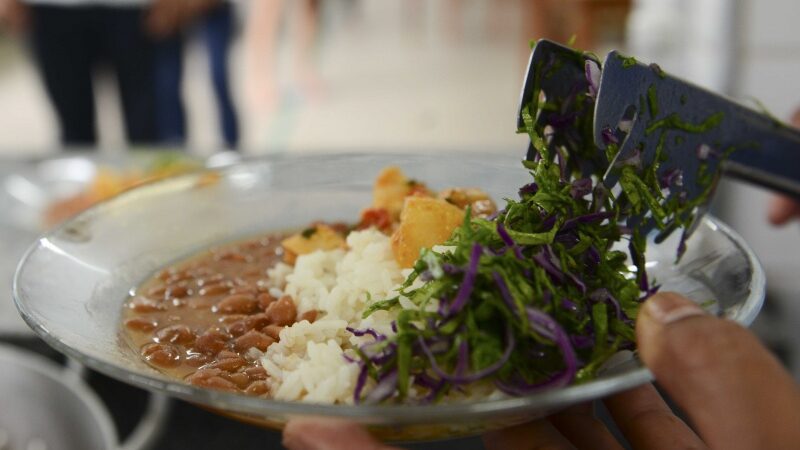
(428, 296)
(109, 182)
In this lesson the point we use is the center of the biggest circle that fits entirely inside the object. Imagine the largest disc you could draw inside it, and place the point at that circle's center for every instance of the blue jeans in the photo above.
(217, 31)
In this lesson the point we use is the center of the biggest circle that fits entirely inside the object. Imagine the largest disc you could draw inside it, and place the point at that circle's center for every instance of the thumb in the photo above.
(733, 389)
(328, 434)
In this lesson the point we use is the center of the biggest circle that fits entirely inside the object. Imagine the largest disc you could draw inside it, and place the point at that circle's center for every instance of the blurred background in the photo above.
(273, 76)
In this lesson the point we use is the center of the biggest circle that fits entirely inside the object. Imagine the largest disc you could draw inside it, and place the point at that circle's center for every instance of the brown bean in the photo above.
(145, 305)
(157, 292)
(252, 339)
(282, 312)
(227, 354)
(141, 324)
(228, 364)
(196, 360)
(251, 273)
(273, 331)
(231, 318)
(257, 388)
(203, 373)
(238, 328)
(256, 373)
(237, 304)
(252, 245)
(200, 303)
(178, 291)
(211, 342)
(214, 289)
(239, 379)
(180, 276)
(176, 334)
(162, 355)
(264, 300)
(164, 274)
(244, 289)
(214, 382)
(310, 315)
(211, 278)
(232, 256)
(257, 321)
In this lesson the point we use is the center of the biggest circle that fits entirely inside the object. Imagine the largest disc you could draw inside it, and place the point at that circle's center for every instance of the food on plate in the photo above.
(429, 296)
(214, 319)
(109, 181)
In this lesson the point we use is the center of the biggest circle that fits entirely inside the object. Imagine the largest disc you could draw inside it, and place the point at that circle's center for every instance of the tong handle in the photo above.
(774, 159)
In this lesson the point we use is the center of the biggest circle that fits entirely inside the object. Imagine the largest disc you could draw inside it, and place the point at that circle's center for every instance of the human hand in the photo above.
(14, 15)
(166, 17)
(733, 390)
(783, 209)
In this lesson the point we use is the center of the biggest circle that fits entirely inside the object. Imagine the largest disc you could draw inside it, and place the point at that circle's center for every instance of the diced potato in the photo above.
(482, 205)
(318, 237)
(390, 190)
(424, 222)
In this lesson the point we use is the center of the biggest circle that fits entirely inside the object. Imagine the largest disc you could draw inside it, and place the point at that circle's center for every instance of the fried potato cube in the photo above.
(390, 190)
(424, 222)
(318, 237)
(480, 202)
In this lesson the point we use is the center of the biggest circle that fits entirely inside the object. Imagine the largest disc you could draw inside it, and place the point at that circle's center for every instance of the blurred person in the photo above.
(214, 20)
(262, 32)
(741, 399)
(69, 38)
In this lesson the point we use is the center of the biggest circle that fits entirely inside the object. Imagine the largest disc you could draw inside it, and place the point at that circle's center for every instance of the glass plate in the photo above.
(72, 282)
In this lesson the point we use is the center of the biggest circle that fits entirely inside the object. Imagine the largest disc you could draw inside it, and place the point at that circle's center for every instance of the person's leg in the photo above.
(64, 50)
(217, 28)
(170, 115)
(132, 53)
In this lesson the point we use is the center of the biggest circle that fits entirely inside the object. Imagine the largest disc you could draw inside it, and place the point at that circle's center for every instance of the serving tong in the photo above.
(645, 113)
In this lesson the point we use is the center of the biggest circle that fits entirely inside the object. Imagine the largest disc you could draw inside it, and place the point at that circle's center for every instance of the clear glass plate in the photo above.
(72, 282)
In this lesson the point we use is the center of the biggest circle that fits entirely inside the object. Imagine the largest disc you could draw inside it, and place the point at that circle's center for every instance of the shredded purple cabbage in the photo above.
(608, 136)
(528, 189)
(580, 188)
(548, 328)
(475, 376)
(385, 388)
(367, 331)
(469, 280)
(503, 233)
(504, 292)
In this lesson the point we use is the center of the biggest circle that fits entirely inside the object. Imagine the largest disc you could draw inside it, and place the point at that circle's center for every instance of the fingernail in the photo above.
(669, 308)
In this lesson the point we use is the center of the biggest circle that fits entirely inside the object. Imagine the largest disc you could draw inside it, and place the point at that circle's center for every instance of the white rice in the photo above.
(307, 363)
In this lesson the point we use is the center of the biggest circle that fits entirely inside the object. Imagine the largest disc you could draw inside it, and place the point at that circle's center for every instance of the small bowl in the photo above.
(71, 284)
